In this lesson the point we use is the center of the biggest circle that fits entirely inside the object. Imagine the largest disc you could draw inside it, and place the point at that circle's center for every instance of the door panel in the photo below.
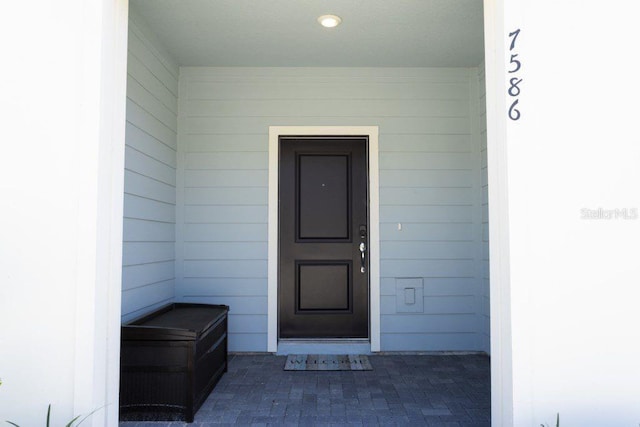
(323, 289)
(323, 199)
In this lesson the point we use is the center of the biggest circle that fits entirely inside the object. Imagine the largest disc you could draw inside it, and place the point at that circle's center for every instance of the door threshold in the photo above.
(324, 346)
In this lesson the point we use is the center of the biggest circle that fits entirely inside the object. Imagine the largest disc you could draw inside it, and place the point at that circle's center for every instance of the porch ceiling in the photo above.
(284, 33)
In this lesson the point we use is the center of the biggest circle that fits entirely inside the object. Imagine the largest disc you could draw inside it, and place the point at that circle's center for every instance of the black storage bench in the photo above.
(170, 360)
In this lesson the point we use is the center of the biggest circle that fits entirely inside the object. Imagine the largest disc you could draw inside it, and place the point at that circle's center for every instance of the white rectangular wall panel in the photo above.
(409, 295)
(484, 294)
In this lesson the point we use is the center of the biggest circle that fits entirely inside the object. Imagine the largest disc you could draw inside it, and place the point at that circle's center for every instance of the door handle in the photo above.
(363, 250)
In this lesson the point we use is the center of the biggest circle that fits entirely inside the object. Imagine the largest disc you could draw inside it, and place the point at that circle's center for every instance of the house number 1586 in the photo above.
(515, 79)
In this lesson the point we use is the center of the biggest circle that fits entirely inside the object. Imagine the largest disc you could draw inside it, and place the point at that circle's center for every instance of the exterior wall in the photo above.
(428, 165)
(565, 330)
(148, 269)
(485, 320)
(61, 229)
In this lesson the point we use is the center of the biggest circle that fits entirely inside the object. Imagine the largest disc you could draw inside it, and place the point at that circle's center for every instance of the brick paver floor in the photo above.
(408, 390)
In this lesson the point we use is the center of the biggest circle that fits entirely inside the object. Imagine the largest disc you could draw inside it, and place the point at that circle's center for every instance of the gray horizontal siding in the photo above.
(336, 90)
(225, 250)
(137, 230)
(426, 232)
(417, 143)
(225, 287)
(260, 125)
(238, 304)
(137, 207)
(426, 341)
(143, 299)
(143, 142)
(427, 172)
(400, 250)
(424, 196)
(145, 274)
(436, 323)
(226, 232)
(435, 305)
(409, 267)
(140, 253)
(224, 196)
(421, 213)
(148, 271)
(442, 178)
(153, 126)
(234, 144)
(425, 161)
(225, 268)
(226, 160)
(241, 214)
(145, 186)
(321, 107)
(230, 178)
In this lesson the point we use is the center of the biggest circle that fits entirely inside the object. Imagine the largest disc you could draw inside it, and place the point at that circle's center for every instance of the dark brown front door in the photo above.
(323, 267)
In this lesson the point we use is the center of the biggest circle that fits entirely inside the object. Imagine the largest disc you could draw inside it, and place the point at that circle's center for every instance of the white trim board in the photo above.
(502, 398)
(374, 224)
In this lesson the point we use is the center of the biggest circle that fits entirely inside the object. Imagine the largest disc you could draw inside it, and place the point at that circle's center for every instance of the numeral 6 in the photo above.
(514, 113)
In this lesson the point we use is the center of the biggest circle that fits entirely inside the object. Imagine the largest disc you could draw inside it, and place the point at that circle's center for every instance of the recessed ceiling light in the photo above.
(329, 21)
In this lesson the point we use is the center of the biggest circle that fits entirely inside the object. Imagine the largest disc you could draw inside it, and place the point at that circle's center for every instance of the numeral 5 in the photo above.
(517, 63)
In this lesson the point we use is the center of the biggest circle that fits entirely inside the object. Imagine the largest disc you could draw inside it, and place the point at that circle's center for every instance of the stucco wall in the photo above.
(565, 336)
(61, 182)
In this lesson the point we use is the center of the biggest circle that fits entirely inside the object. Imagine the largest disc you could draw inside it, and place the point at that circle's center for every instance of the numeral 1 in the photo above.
(514, 34)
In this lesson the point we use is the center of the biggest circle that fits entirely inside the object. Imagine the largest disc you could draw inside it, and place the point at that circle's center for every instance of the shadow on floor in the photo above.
(408, 390)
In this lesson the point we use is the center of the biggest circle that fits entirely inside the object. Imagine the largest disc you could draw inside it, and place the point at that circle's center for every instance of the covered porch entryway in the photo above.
(212, 90)
(206, 82)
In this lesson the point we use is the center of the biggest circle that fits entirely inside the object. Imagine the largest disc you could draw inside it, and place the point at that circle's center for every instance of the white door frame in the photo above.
(374, 223)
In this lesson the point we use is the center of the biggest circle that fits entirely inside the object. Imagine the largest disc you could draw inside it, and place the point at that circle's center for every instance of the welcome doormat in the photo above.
(327, 362)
